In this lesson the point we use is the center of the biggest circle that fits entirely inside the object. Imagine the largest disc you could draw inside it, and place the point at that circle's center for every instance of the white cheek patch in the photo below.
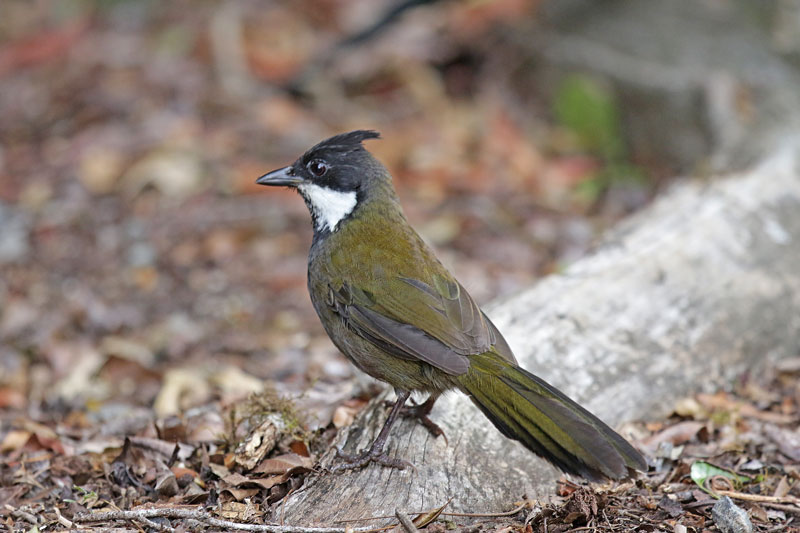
(328, 207)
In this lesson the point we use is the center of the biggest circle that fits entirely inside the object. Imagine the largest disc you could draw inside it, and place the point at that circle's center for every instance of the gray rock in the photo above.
(14, 234)
(730, 518)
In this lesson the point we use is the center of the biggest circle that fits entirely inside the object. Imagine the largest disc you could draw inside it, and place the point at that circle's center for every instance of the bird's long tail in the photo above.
(528, 409)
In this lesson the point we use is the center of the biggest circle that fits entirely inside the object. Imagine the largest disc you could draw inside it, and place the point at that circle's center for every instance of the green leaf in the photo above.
(589, 110)
(701, 472)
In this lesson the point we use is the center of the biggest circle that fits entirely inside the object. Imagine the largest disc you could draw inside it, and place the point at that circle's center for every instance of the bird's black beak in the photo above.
(283, 176)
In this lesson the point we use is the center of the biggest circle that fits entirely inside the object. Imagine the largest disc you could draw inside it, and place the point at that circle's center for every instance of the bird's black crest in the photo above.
(345, 142)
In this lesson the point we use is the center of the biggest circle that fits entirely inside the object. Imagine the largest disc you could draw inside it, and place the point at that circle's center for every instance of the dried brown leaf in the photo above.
(725, 402)
(283, 464)
(238, 480)
(423, 519)
(240, 512)
(182, 387)
(14, 440)
(788, 442)
(260, 441)
(300, 448)
(239, 494)
(343, 416)
(680, 433)
(783, 488)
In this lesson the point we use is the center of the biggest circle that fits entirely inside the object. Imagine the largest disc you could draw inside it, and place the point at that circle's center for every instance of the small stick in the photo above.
(512, 512)
(157, 526)
(782, 507)
(405, 521)
(206, 518)
(759, 497)
(28, 517)
(62, 520)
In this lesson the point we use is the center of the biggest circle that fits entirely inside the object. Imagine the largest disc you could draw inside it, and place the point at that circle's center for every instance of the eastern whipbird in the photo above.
(395, 311)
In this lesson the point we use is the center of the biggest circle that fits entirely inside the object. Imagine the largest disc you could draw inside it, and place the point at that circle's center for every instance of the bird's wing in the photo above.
(438, 323)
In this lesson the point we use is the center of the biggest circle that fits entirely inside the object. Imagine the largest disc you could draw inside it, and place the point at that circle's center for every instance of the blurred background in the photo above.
(142, 268)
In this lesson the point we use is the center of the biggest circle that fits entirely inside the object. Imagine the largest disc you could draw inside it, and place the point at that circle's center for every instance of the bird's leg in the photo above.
(375, 452)
(421, 412)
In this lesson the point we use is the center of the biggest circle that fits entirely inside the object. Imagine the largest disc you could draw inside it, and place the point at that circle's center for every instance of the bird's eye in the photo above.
(318, 168)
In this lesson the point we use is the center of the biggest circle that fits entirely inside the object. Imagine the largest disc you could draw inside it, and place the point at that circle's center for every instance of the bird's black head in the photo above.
(333, 177)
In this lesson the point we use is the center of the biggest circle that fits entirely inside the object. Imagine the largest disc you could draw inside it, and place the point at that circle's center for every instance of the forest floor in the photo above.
(69, 471)
(159, 356)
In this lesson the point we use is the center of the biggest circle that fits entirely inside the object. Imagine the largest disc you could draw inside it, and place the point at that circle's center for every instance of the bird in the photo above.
(394, 310)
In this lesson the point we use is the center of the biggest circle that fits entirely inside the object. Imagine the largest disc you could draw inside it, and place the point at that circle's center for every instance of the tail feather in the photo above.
(528, 409)
(532, 437)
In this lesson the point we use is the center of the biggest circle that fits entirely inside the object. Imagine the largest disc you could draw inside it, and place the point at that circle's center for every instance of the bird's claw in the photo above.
(432, 427)
(354, 462)
(420, 412)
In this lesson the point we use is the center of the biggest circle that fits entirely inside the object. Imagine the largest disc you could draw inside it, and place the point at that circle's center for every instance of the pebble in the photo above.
(731, 518)
(14, 237)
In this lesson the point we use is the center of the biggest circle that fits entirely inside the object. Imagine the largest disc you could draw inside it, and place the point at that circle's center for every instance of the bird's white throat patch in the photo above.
(328, 207)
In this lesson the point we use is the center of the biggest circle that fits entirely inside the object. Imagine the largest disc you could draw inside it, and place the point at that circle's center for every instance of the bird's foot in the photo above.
(420, 412)
(354, 462)
(432, 427)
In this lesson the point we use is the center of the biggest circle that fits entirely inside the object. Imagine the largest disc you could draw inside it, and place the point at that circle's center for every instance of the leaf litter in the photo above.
(157, 347)
(44, 471)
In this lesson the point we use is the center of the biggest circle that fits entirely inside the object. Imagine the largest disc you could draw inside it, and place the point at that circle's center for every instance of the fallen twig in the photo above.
(406, 522)
(157, 526)
(167, 449)
(62, 520)
(782, 507)
(759, 497)
(28, 517)
(512, 512)
(205, 518)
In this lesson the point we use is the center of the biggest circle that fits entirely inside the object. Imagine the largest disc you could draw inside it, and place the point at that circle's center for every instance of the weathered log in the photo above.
(685, 295)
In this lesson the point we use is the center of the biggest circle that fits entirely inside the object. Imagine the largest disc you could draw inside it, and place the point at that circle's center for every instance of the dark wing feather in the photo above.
(405, 340)
(500, 345)
(443, 310)
(436, 323)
